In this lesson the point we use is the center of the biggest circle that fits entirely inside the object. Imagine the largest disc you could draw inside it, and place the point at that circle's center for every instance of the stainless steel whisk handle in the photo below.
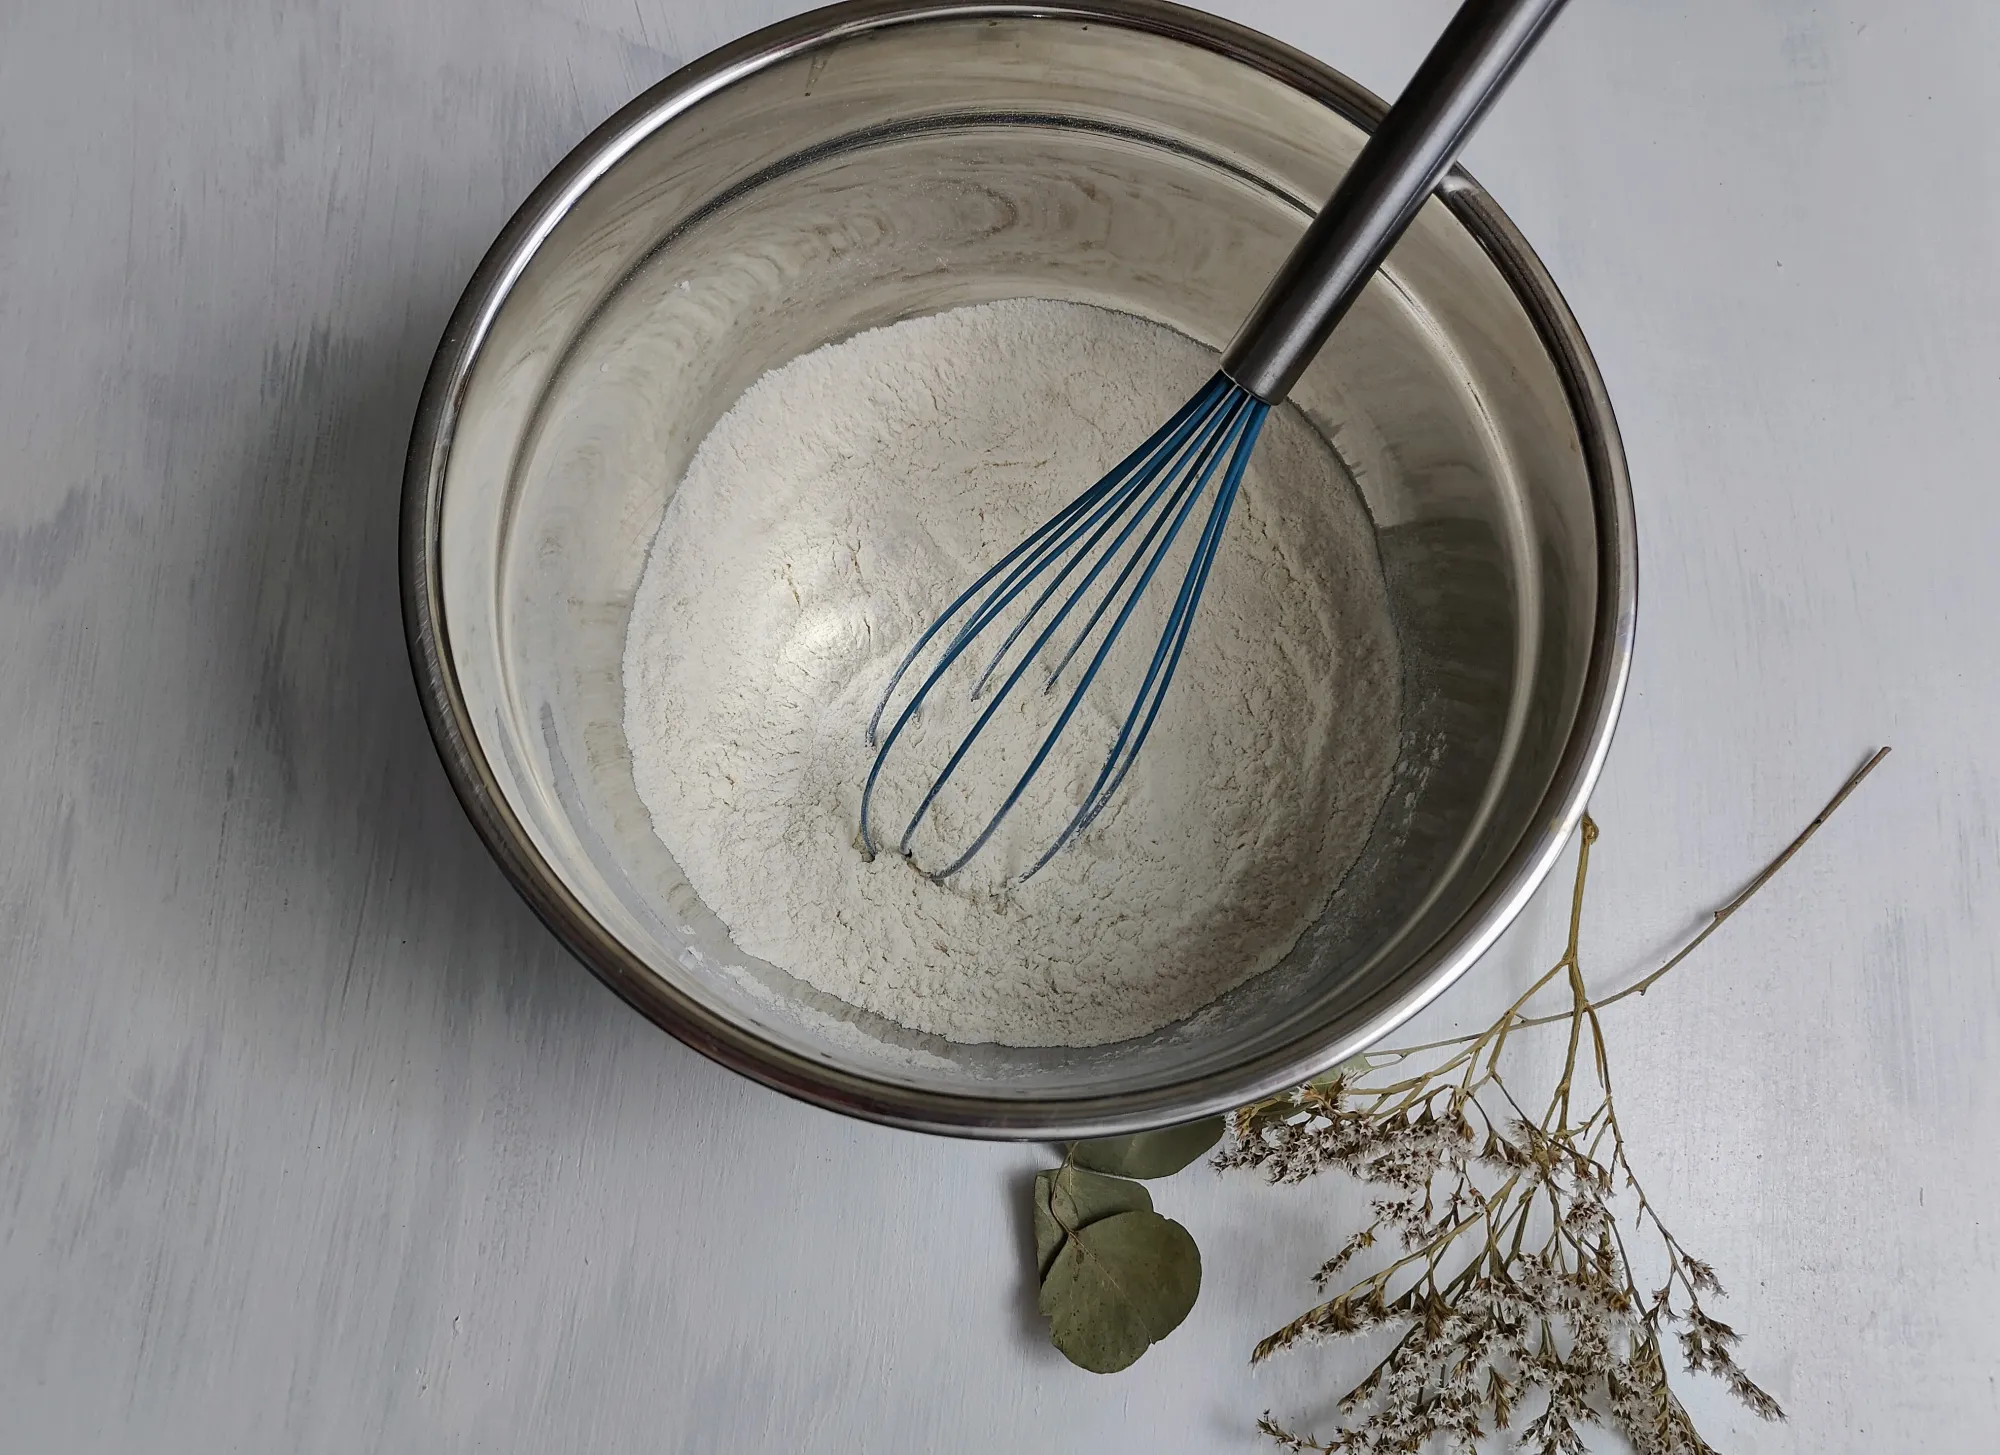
(1396, 172)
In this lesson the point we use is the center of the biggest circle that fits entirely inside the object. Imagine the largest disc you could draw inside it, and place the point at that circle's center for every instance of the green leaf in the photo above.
(1080, 1199)
(1118, 1286)
(1150, 1154)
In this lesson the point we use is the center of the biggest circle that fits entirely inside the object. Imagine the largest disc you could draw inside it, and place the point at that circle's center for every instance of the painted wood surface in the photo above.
(312, 1140)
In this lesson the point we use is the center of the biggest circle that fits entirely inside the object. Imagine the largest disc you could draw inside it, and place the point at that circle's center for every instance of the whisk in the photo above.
(1095, 559)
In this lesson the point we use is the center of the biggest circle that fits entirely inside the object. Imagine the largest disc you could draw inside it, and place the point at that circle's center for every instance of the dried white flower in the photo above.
(1514, 1295)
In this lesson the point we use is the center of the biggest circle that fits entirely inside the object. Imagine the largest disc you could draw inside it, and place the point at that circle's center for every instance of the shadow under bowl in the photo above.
(878, 161)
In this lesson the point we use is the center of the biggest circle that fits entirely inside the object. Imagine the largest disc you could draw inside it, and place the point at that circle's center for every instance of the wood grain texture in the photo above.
(313, 1139)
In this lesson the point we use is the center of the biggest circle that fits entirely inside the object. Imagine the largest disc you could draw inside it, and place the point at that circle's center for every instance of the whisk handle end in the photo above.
(1398, 168)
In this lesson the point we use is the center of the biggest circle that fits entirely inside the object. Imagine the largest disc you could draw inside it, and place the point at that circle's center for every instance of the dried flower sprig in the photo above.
(1514, 1295)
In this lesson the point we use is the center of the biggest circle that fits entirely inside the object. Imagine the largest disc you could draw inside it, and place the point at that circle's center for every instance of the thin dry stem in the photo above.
(1646, 983)
(1515, 1288)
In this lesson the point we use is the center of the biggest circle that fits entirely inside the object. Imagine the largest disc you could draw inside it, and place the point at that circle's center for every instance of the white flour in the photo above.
(843, 501)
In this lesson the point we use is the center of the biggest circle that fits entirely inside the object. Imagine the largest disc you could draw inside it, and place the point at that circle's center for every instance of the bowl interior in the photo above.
(900, 169)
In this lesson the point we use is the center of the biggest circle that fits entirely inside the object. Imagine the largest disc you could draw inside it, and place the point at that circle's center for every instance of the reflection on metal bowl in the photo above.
(875, 161)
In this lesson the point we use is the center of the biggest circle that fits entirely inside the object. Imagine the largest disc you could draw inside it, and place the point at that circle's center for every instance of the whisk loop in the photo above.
(1123, 527)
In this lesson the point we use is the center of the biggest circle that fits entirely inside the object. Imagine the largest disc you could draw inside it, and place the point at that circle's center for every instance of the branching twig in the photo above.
(1715, 922)
(1540, 1305)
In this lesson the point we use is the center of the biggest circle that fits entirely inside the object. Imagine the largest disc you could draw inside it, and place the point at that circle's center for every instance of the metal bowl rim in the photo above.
(889, 1102)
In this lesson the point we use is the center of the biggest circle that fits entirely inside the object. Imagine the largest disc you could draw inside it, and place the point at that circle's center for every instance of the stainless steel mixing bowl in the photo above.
(875, 161)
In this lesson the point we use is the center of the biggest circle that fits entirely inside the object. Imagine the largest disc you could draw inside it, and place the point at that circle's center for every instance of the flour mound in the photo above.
(846, 499)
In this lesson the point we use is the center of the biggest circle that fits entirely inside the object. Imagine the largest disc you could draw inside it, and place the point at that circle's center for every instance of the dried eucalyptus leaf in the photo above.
(1118, 1286)
(1048, 1232)
(1151, 1154)
(1080, 1198)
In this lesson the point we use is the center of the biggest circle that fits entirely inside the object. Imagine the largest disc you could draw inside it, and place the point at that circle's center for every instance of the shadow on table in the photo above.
(366, 844)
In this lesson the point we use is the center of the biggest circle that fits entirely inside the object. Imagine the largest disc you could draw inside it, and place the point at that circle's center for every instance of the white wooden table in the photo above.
(312, 1140)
